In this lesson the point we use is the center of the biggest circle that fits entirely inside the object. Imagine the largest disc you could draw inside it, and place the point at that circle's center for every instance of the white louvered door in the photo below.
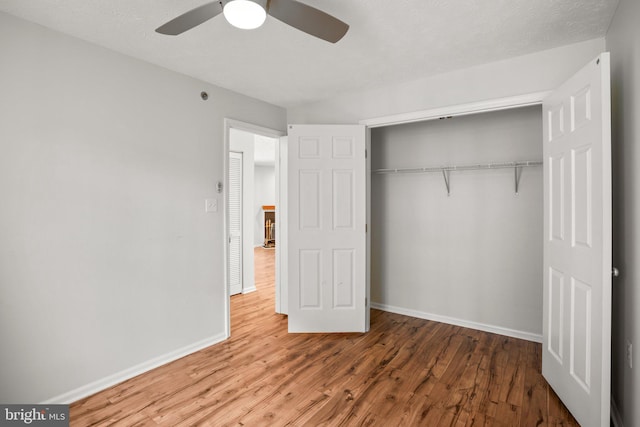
(327, 228)
(576, 354)
(235, 223)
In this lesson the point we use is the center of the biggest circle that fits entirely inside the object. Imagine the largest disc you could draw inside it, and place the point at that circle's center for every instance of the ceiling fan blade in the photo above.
(308, 19)
(191, 19)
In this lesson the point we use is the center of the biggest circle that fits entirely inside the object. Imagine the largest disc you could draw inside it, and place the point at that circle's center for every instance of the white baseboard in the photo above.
(459, 322)
(249, 290)
(118, 377)
(616, 419)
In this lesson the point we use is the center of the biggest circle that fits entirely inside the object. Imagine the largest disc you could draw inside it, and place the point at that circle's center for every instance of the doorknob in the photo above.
(615, 272)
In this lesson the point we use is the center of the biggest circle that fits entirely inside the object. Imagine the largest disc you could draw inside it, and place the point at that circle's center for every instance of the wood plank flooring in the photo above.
(404, 372)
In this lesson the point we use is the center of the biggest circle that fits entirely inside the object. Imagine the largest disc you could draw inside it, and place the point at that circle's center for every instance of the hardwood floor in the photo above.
(404, 372)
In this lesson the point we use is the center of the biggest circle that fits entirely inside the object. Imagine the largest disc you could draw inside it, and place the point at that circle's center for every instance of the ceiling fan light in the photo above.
(244, 14)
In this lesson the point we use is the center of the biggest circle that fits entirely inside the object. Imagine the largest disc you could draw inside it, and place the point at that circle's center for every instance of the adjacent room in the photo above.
(339, 213)
(251, 207)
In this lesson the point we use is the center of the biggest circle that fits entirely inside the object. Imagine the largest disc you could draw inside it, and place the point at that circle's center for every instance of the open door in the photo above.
(327, 248)
(576, 357)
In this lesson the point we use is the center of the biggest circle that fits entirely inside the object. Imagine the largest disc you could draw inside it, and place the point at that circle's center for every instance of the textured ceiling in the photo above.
(389, 41)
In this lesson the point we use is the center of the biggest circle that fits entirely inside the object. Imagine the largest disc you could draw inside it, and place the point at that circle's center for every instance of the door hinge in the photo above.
(366, 228)
(366, 302)
(365, 154)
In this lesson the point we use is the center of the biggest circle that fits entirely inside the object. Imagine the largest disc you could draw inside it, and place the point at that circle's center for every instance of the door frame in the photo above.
(486, 106)
(259, 130)
(458, 110)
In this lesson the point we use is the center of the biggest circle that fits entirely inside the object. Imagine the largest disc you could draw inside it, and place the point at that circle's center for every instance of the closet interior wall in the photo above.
(473, 257)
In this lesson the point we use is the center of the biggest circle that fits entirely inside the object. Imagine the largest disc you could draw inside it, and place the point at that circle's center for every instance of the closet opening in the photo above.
(457, 220)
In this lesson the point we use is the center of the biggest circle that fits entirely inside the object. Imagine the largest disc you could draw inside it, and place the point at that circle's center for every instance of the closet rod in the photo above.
(516, 166)
(484, 166)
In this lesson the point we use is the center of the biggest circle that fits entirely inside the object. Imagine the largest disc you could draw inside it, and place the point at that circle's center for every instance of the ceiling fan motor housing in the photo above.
(245, 14)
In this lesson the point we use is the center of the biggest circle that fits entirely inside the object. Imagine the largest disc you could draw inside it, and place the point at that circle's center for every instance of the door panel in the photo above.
(581, 201)
(556, 197)
(343, 197)
(556, 314)
(577, 249)
(343, 278)
(310, 277)
(309, 196)
(327, 229)
(581, 356)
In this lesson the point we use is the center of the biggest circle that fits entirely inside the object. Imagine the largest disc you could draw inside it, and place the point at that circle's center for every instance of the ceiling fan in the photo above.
(250, 14)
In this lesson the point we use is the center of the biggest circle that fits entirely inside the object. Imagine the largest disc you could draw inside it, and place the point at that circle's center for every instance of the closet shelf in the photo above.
(461, 167)
(445, 170)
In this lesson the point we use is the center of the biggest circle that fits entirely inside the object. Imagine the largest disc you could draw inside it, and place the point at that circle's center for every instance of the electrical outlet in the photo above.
(629, 354)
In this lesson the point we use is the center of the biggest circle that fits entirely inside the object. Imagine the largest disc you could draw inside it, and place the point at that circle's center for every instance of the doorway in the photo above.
(252, 160)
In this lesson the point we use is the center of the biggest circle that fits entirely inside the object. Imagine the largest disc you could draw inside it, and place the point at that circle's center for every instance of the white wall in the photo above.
(476, 255)
(525, 74)
(107, 258)
(264, 194)
(623, 40)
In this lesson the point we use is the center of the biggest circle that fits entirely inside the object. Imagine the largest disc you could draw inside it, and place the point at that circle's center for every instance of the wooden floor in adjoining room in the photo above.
(404, 372)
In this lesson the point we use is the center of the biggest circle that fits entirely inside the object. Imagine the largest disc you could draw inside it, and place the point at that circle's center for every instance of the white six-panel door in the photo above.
(327, 236)
(577, 243)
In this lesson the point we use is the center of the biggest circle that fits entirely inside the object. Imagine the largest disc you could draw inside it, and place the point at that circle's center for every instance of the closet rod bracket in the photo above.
(517, 171)
(445, 175)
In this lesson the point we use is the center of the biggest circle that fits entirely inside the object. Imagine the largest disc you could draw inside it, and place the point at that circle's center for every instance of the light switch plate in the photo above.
(211, 205)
